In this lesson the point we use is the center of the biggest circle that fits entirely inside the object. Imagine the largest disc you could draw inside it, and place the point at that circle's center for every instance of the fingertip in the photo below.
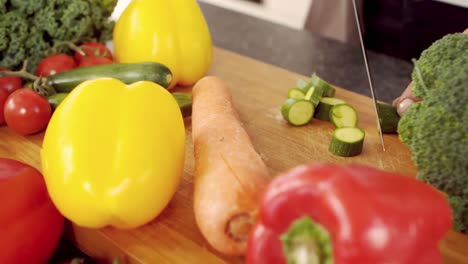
(403, 106)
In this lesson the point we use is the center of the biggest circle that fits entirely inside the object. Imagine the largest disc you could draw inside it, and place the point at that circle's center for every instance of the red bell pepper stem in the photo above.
(307, 242)
(360, 215)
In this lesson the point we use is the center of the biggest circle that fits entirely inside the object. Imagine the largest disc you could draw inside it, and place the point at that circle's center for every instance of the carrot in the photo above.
(229, 174)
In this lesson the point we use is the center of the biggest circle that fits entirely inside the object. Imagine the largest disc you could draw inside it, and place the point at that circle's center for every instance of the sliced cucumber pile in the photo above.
(304, 91)
(343, 115)
(298, 112)
(315, 99)
(322, 111)
(347, 141)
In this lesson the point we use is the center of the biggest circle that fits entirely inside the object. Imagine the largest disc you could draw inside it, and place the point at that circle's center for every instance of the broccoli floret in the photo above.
(460, 207)
(436, 59)
(29, 28)
(436, 129)
(3, 8)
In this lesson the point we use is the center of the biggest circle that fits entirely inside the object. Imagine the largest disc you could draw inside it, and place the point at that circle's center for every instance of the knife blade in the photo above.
(369, 75)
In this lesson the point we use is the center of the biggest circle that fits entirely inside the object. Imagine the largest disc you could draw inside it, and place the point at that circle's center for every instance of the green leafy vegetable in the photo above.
(29, 28)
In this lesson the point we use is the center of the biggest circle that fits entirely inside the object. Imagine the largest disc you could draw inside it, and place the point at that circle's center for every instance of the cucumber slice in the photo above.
(347, 141)
(297, 112)
(328, 90)
(301, 84)
(305, 89)
(295, 93)
(343, 115)
(388, 118)
(314, 94)
(322, 111)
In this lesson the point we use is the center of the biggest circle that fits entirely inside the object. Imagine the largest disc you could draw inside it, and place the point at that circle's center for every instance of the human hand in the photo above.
(404, 101)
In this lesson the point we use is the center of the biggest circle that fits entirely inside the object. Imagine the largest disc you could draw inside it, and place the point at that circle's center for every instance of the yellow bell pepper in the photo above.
(171, 32)
(113, 154)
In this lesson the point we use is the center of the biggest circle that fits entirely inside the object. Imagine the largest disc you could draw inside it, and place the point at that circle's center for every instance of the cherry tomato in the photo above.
(91, 60)
(3, 97)
(26, 112)
(31, 224)
(93, 49)
(10, 83)
(55, 64)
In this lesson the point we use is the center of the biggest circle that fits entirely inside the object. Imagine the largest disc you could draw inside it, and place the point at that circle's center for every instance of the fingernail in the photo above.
(404, 105)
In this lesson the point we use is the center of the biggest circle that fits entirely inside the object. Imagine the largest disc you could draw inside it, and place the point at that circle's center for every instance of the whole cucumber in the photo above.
(184, 100)
(55, 99)
(65, 82)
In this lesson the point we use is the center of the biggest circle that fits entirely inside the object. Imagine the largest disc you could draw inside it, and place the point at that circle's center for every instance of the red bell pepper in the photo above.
(348, 214)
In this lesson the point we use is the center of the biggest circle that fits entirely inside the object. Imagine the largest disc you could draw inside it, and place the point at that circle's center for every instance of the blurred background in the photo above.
(399, 28)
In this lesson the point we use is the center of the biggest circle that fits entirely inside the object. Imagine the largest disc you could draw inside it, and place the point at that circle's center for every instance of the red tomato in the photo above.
(55, 64)
(26, 112)
(3, 97)
(90, 61)
(10, 83)
(31, 226)
(93, 49)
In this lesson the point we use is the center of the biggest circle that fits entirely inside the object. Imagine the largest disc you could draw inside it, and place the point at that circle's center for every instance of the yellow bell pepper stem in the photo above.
(173, 33)
(113, 154)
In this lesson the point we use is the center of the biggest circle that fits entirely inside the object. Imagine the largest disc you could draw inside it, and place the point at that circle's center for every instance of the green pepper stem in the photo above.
(307, 242)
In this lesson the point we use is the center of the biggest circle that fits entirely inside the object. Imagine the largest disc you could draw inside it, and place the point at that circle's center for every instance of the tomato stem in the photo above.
(39, 83)
(307, 242)
(69, 44)
(23, 73)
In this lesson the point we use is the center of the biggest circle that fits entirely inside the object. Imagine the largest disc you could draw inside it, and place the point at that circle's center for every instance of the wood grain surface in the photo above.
(258, 91)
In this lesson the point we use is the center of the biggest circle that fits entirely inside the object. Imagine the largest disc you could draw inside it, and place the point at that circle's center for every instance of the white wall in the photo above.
(290, 13)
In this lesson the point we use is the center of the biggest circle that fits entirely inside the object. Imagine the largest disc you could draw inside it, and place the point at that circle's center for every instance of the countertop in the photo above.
(304, 52)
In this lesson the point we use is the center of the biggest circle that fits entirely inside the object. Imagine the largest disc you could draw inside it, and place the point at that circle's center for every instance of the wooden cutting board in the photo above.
(258, 90)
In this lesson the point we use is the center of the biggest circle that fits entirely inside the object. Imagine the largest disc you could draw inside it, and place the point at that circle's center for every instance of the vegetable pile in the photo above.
(29, 29)
(436, 128)
(27, 100)
(315, 98)
(26, 107)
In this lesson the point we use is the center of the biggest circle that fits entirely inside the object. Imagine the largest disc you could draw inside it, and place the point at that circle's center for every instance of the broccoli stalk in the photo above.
(436, 129)
(29, 28)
